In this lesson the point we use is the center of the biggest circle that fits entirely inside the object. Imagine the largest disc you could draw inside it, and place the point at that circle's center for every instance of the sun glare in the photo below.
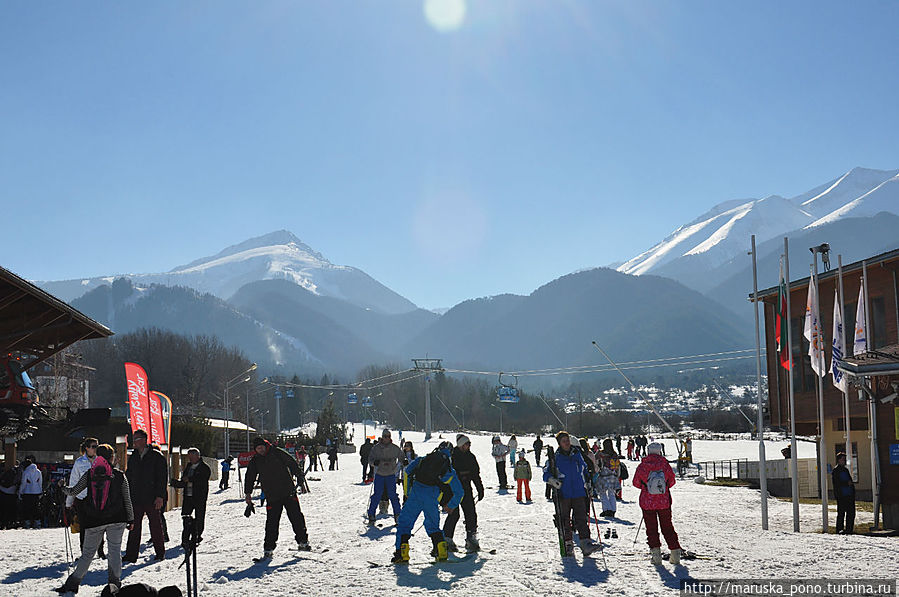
(445, 15)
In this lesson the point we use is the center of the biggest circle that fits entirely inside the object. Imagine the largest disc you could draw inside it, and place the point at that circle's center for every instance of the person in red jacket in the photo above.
(654, 478)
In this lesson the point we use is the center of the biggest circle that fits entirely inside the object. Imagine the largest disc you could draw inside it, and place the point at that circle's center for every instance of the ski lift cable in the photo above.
(695, 356)
(734, 402)
(354, 386)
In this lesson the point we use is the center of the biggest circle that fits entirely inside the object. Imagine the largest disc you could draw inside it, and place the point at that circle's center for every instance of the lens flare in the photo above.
(445, 15)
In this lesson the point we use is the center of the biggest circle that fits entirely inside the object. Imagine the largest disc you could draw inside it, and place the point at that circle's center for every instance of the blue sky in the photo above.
(535, 139)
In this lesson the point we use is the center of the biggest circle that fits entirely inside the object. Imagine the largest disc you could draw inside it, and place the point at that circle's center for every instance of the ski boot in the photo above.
(401, 555)
(614, 534)
(70, 586)
(371, 520)
(608, 534)
(674, 558)
(588, 546)
(383, 506)
(439, 552)
(303, 546)
(656, 553)
(451, 545)
(471, 542)
(569, 549)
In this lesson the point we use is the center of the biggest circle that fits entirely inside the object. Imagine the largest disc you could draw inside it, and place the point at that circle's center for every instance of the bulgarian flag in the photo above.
(781, 324)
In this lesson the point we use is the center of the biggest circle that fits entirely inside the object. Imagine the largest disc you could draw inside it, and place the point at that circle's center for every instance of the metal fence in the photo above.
(735, 468)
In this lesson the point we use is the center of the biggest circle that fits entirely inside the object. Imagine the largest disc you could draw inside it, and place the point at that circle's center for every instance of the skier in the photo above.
(630, 449)
(499, 455)
(513, 450)
(226, 473)
(73, 502)
(277, 470)
(30, 489)
(569, 479)
(523, 476)
(688, 448)
(384, 457)
(608, 465)
(538, 448)
(655, 478)
(105, 510)
(466, 466)
(425, 476)
(844, 491)
(364, 451)
(313, 457)
(195, 483)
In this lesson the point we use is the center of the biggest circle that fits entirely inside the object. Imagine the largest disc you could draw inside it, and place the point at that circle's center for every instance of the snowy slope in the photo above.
(718, 521)
(278, 255)
(722, 234)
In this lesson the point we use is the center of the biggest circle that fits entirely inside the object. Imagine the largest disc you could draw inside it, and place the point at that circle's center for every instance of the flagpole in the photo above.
(872, 410)
(818, 338)
(794, 467)
(845, 383)
(763, 467)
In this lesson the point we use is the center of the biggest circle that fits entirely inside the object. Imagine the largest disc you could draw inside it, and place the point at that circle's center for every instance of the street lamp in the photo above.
(462, 410)
(228, 385)
(414, 419)
(500, 417)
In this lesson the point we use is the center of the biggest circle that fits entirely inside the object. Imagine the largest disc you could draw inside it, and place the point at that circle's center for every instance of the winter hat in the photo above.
(562, 434)
(654, 448)
(385, 433)
(496, 439)
(259, 441)
(462, 439)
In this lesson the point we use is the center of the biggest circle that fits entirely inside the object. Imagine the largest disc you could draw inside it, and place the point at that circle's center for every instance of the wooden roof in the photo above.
(36, 323)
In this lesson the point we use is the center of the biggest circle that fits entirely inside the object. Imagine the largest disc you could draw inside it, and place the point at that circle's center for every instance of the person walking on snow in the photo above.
(384, 457)
(147, 474)
(523, 476)
(195, 483)
(332, 458)
(364, 451)
(468, 471)
(30, 489)
(279, 475)
(226, 472)
(499, 455)
(426, 475)
(844, 491)
(608, 463)
(79, 469)
(538, 448)
(654, 478)
(630, 449)
(513, 450)
(569, 480)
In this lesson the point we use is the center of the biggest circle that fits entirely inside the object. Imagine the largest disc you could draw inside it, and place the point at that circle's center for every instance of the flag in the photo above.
(812, 331)
(860, 345)
(138, 398)
(166, 404)
(781, 324)
(157, 425)
(838, 349)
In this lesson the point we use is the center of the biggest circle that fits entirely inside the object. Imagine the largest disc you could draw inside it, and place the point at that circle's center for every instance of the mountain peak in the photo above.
(272, 239)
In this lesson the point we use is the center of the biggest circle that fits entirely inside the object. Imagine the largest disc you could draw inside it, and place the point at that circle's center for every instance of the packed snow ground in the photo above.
(717, 521)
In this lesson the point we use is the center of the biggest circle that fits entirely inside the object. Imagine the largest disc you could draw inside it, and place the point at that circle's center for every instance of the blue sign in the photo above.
(278, 394)
(507, 394)
(351, 399)
(894, 453)
(367, 401)
(290, 394)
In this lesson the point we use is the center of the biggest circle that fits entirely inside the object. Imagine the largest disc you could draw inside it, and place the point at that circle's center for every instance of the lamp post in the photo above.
(462, 410)
(414, 419)
(500, 417)
(228, 385)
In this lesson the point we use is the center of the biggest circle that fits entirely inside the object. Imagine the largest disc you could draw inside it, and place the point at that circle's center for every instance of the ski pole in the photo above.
(638, 531)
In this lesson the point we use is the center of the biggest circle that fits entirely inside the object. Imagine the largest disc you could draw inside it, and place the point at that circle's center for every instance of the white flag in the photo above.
(838, 349)
(861, 329)
(812, 331)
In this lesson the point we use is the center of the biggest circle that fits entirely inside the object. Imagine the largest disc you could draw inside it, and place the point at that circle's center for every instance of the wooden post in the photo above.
(175, 495)
(121, 451)
(9, 451)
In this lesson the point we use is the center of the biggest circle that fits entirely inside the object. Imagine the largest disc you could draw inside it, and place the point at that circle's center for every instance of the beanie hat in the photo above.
(259, 441)
(462, 439)
(654, 448)
(562, 434)
(385, 433)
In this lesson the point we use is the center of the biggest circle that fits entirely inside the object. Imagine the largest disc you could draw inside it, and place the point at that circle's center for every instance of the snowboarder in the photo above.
(384, 457)
(844, 491)
(425, 477)
(609, 469)
(569, 478)
(30, 489)
(538, 449)
(147, 474)
(226, 473)
(277, 471)
(364, 451)
(655, 478)
(499, 455)
(513, 450)
(195, 483)
(107, 510)
(466, 466)
(523, 476)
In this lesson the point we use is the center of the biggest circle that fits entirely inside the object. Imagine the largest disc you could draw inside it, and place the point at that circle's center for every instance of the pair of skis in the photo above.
(557, 503)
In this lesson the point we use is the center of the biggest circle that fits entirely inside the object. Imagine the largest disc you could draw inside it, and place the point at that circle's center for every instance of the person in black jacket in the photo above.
(105, 510)
(195, 483)
(279, 474)
(844, 491)
(468, 471)
(364, 451)
(148, 477)
(538, 449)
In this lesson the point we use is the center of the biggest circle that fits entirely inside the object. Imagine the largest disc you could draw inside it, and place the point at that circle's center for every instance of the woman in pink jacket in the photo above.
(654, 478)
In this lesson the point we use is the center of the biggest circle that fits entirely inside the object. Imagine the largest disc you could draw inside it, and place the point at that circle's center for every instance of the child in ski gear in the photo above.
(106, 510)
(844, 490)
(30, 489)
(195, 483)
(384, 456)
(608, 464)
(630, 449)
(523, 476)
(513, 450)
(147, 474)
(364, 451)
(538, 448)
(655, 478)
(277, 471)
(468, 472)
(226, 472)
(427, 475)
(499, 455)
(569, 478)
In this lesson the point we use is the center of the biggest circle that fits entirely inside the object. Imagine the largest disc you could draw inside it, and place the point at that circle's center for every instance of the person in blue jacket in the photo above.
(226, 473)
(570, 479)
(425, 481)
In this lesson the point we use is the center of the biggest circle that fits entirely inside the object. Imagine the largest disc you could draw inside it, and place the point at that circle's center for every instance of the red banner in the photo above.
(138, 398)
(166, 404)
(243, 459)
(157, 425)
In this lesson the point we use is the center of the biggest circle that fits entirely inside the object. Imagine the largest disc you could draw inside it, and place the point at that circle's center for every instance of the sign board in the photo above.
(243, 459)
(894, 453)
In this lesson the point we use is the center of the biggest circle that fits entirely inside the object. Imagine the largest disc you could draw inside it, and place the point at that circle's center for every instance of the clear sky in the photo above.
(469, 149)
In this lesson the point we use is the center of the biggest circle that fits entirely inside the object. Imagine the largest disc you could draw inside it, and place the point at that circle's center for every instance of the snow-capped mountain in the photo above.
(713, 239)
(278, 255)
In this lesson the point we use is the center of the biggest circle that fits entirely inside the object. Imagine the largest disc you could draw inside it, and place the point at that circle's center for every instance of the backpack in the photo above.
(104, 496)
(431, 468)
(624, 473)
(656, 483)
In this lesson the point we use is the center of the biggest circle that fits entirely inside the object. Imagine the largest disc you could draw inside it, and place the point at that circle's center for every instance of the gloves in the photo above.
(555, 482)
(480, 494)
(251, 509)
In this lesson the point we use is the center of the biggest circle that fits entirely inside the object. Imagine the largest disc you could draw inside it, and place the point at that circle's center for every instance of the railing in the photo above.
(734, 468)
